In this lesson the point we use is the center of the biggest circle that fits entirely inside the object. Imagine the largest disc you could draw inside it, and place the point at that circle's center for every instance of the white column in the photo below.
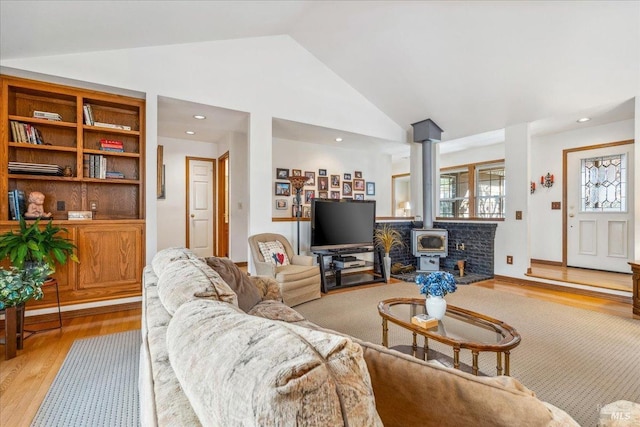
(512, 235)
(151, 152)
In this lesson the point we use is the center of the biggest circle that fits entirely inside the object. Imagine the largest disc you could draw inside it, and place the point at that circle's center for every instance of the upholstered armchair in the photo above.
(273, 257)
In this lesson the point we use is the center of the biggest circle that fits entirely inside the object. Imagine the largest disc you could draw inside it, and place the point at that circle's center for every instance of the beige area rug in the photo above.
(575, 359)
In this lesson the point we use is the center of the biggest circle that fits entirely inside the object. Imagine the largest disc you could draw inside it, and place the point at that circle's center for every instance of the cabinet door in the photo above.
(110, 256)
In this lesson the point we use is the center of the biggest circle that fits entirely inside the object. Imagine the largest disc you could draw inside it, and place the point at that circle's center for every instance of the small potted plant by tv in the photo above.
(387, 238)
(33, 252)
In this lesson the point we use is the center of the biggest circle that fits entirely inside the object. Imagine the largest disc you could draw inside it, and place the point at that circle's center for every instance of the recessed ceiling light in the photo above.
(338, 139)
(190, 132)
(584, 119)
(199, 117)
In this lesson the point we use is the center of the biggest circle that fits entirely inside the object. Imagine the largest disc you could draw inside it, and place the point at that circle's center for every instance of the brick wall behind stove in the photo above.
(478, 239)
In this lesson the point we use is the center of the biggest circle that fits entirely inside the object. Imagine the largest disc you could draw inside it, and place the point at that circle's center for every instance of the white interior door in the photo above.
(600, 208)
(201, 213)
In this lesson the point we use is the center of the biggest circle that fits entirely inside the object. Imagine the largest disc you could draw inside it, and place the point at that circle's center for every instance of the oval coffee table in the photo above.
(460, 328)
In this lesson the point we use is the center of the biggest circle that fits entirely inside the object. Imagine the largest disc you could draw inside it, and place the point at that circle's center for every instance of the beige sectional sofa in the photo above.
(221, 349)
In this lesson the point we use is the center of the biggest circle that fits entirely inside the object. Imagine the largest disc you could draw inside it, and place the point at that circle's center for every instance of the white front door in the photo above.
(600, 208)
(201, 226)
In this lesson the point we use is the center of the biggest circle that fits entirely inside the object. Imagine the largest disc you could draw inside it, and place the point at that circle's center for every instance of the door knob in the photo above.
(193, 216)
(571, 215)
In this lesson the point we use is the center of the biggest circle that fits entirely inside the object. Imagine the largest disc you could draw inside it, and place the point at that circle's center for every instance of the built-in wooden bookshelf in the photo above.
(111, 245)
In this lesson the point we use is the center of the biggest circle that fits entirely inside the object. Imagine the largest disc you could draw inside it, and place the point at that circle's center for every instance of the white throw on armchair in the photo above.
(298, 278)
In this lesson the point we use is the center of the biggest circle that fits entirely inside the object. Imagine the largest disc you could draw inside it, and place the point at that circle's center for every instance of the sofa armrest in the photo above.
(265, 269)
(302, 260)
(267, 287)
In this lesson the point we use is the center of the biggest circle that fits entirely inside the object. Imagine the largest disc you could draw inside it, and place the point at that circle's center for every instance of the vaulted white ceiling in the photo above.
(471, 66)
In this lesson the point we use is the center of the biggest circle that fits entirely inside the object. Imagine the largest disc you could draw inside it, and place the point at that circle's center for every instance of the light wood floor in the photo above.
(583, 276)
(25, 379)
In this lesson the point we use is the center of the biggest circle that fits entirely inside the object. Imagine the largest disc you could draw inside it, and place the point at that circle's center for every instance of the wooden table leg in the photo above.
(506, 363)
(10, 332)
(499, 365)
(456, 357)
(474, 364)
(414, 344)
(385, 331)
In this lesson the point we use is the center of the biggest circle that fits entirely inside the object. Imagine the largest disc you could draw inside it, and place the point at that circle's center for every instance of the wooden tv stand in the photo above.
(337, 277)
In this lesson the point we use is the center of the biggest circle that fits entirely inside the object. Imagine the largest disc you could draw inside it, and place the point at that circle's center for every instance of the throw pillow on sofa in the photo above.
(274, 253)
(238, 281)
(241, 370)
(189, 279)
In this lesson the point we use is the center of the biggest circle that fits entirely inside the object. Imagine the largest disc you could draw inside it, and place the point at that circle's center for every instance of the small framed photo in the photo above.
(323, 194)
(323, 183)
(371, 188)
(347, 177)
(295, 211)
(335, 194)
(322, 172)
(309, 195)
(358, 185)
(347, 188)
(358, 196)
(282, 204)
(306, 211)
(335, 181)
(296, 172)
(311, 178)
(283, 188)
(282, 173)
(358, 174)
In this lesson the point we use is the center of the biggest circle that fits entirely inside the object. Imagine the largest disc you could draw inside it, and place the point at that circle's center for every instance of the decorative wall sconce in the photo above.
(547, 180)
(533, 187)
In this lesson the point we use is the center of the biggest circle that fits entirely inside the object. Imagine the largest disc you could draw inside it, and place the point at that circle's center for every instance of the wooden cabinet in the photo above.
(111, 246)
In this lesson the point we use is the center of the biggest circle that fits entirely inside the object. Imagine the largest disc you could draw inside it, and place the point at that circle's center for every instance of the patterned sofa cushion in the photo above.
(238, 281)
(189, 279)
(241, 370)
(162, 258)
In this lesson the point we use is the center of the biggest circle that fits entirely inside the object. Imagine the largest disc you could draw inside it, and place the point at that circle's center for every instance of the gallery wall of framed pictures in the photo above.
(321, 183)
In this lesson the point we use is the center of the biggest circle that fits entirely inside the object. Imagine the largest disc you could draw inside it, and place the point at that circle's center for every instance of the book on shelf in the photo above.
(17, 205)
(114, 175)
(112, 126)
(86, 159)
(23, 132)
(424, 321)
(111, 145)
(47, 115)
(97, 166)
(88, 114)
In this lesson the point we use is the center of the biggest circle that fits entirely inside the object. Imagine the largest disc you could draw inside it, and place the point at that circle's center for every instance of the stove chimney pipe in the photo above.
(427, 132)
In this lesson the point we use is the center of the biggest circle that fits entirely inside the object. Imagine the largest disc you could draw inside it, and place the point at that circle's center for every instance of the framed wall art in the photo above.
(322, 172)
(281, 204)
(335, 194)
(358, 174)
(335, 181)
(347, 188)
(347, 177)
(311, 178)
(296, 172)
(309, 195)
(323, 183)
(358, 196)
(371, 188)
(282, 173)
(358, 185)
(283, 189)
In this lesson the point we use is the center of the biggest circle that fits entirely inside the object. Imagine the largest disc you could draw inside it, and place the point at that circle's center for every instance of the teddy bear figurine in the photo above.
(35, 208)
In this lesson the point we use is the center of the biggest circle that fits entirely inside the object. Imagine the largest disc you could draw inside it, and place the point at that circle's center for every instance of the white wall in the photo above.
(266, 77)
(546, 157)
(171, 211)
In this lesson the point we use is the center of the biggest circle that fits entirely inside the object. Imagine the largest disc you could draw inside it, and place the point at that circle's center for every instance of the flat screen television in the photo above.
(341, 224)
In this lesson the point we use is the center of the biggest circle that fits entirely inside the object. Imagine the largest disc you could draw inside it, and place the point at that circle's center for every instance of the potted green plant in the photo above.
(387, 238)
(31, 244)
(19, 286)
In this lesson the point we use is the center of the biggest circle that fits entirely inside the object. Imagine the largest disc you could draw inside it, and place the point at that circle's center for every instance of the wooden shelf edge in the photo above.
(71, 125)
(30, 146)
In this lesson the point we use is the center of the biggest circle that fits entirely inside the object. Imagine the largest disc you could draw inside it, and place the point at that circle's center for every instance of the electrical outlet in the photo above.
(93, 205)
(60, 205)
(555, 205)
(509, 259)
